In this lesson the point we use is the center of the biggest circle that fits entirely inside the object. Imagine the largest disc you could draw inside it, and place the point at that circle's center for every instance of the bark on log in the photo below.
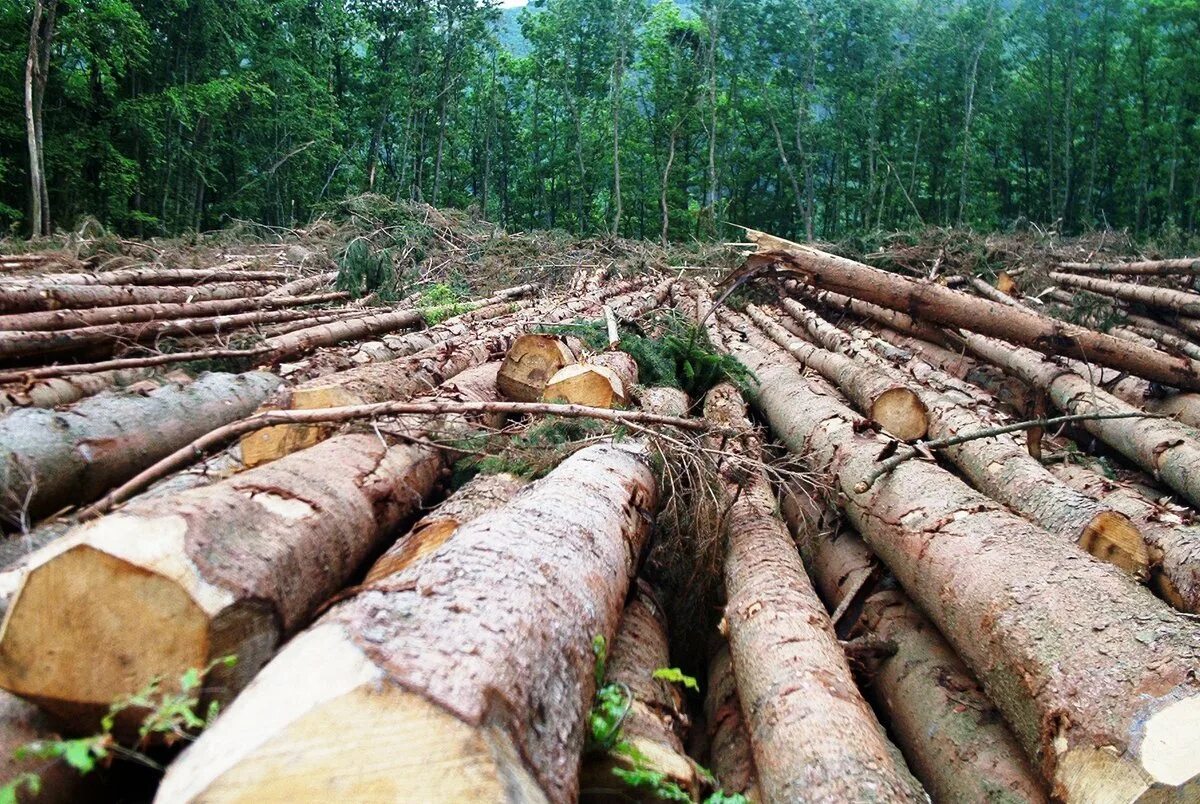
(467, 676)
(664, 400)
(1182, 406)
(813, 736)
(950, 733)
(152, 276)
(1110, 719)
(1177, 578)
(732, 760)
(1175, 301)
(1187, 265)
(56, 391)
(50, 459)
(56, 297)
(135, 313)
(308, 284)
(178, 581)
(892, 319)
(939, 304)
(890, 404)
(605, 380)
(1165, 449)
(656, 721)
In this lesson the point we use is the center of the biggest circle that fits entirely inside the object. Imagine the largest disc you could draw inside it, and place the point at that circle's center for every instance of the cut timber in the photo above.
(530, 363)
(1169, 299)
(995, 293)
(604, 381)
(1187, 265)
(950, 733)
(892, 319)
(55, 391)
(1182, 406)
(654, 724)
(153, 276)
(49, 458)
(1177, 578)
(56, 297)
(467, 676)
(732, 760)
(890, 404)
(813, 736)
(308, 284)
(664, 400)
(939, 304)
(1166, 449)
(1111, 719)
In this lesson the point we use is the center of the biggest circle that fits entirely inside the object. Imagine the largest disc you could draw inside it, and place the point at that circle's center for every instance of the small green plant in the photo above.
(364, 270)
(677, 676)
(171, 715)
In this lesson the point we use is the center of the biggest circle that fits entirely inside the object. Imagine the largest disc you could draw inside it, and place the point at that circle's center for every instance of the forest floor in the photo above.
(548, 517)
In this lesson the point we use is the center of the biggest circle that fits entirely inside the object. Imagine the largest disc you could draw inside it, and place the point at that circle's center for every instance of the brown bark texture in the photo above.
(1144, 267)
(153, 276)
(74, 298)
(1169, 299)
(50, 458)
(1104, 719)
(55, 391)
(468, 675)
(732, 760)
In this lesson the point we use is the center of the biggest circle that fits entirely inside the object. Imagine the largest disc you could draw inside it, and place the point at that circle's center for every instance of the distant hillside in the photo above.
(508, 27)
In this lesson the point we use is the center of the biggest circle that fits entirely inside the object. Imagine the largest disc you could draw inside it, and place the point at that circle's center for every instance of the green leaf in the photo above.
(677, 676)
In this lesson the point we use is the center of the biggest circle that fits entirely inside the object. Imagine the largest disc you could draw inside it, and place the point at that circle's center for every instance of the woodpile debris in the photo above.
(935, 533)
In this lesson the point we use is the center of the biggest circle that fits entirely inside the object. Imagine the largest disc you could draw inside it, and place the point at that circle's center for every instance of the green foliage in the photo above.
(677, 676)
(31, 783)
(364, 269)
(531, 453)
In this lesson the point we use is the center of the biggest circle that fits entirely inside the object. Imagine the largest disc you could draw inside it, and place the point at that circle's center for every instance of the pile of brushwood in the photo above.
(404, 507)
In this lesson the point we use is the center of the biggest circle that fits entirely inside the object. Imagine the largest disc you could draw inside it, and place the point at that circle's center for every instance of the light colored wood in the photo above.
(530, 363)
(586, 384)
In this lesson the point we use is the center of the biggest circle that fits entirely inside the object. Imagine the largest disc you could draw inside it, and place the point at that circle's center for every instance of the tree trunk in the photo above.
(1165, 449)
(893, 319)
(664, 186)
(49, 459)
(33, 298)
(654, 725)
(942, 305)
(949, 731)
(468, 675)
(732, 760)
(33, 77)
(231, 272)
(605, 380)
(888, 403)
(1179, 302)
(308, 284)
(57, 391)
(179, 581)
(531, 362)
(813, 736)
(1021, 612)
(1187, 265)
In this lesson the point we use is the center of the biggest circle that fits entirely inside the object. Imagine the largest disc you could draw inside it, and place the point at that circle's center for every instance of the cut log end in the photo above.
(902, 413)
(530, 363)
(587, 384)
(1111, 537)
(272, 443)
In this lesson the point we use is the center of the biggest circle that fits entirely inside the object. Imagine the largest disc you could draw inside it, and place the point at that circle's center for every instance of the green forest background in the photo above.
(811, 118)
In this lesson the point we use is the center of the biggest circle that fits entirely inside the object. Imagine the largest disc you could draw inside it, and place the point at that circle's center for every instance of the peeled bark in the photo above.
(1165, 449)
(1175, 301)
(1109, 718)
(1177, 577)
(50, 459)
(655, 723)
(174, 582)
(605, 380)
(888, 403)
(939, 304)
(950, 733)
(52, 298)
(467, 676)
(1187, 265)
(813, 736)
(732, 760)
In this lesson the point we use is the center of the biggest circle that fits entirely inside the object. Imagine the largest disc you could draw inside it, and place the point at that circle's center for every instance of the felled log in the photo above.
(1187, 265)
(56, 297)
(812, 734)
(174, 582)
(1164, 448)
(56, 391)
(950, 733)
(939, 304)
(308, 284)
(604, 380)
(655, 723)
(1175, 301)
(154, 276)
(467, 676)
(49, 459)
(1105, 719)
(530, 363)
(890, 404)
(732, 760)
(884, 316)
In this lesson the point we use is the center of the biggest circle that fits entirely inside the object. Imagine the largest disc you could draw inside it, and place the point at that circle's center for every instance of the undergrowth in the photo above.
(365, 269)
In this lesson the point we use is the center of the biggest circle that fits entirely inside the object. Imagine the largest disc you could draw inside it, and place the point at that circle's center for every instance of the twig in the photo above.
(909, 452)
(222, 435)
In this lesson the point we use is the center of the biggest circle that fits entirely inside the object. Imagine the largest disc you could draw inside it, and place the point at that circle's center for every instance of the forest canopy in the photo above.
(812, 118)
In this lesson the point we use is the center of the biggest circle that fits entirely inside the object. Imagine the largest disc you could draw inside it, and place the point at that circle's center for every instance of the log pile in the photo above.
(942, 544)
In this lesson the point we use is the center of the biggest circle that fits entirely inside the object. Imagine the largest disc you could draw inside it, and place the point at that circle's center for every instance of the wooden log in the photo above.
(604, 380)
(49, 459)
(890, 404)
(1175, 301)
(950, 733)
(1176, 576)
(530, 363)
(468, 675)
(54, 392)
(173, 582)
(939, 304)
(48, 298)
(812, 734)
(1187, 265)
(994, 293)
(152, 276)
(1164, 448)
(1182, 406)
(1111, 719)
(732, 760)
(308, 284)
(884, 316)
(655, 723)
(667, 401)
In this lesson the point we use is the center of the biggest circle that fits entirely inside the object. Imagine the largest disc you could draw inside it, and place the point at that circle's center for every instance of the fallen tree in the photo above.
(56, 297)
(1020, 610)
(55, 391)
(1175, 301)
(1186, 265)
(476, 681)
(153, 276)
(732, 760)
